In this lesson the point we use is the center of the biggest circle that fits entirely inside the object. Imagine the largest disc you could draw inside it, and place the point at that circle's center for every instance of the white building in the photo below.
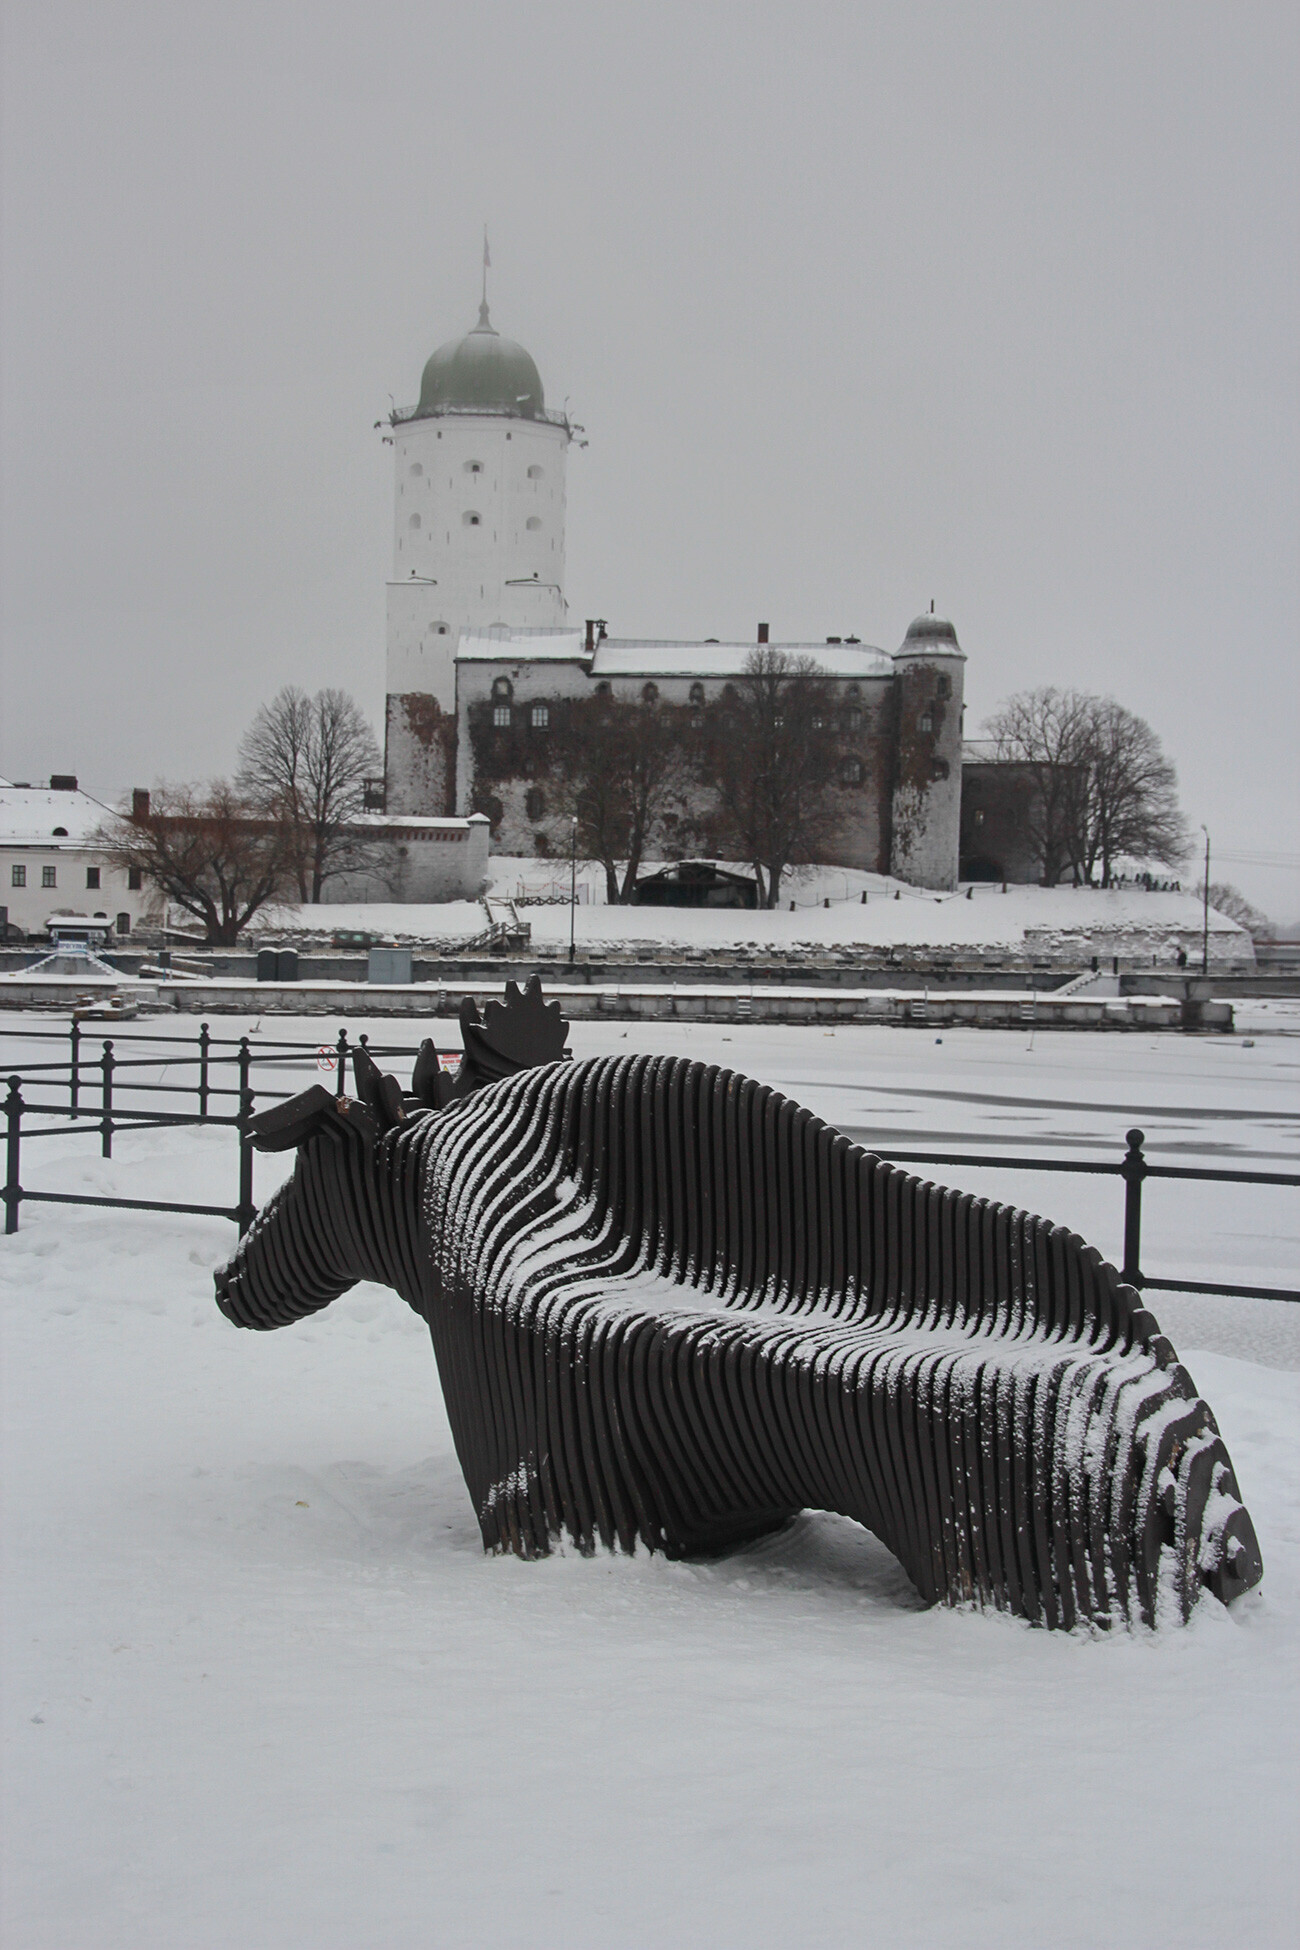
(478, 541)
(50, 866)
(482, 660)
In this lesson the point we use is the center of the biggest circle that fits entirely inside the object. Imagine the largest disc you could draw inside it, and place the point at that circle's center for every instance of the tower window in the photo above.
(945, 685)
(414, 522)
(473, 467)
(416, 470)
(927, 720)
(535, 803)
(697, 693)
(501, 716)
(541, 717)
(534, 521)
(535, 473)
(471, 519)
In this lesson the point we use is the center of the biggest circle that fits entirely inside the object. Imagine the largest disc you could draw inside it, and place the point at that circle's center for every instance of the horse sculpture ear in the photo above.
(287, 1126)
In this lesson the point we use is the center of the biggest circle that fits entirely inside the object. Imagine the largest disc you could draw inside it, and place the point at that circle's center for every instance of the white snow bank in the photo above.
(1031, 920)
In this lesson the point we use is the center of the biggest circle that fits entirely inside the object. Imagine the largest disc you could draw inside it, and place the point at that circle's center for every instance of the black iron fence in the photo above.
(86, 1093)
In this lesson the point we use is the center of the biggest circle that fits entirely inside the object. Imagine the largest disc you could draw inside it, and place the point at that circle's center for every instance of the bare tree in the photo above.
(306, 760)
(208, 850)
(620, 768)
(1229, 900)
(1129, 804)
(770, 756)
(1046, 732)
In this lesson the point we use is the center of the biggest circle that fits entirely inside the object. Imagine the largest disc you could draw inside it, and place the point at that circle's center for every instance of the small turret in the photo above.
(929, 667)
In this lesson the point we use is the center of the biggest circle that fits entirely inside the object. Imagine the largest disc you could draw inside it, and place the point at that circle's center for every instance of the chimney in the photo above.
(140, 803)
(63, 782)
(590, 643)
(762, 632)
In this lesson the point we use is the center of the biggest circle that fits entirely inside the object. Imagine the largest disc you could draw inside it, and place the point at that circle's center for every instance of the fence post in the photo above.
(13, 1121)
(1134, 1170)
(204, 1041)
(106, 1123)
(74, 1067)
(246, 1211)
(342, 1047)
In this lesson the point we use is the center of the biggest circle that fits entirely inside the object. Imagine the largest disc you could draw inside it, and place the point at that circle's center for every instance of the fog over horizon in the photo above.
(860, 307)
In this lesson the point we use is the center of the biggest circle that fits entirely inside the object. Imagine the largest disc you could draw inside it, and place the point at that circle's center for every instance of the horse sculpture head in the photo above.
(350, 1211)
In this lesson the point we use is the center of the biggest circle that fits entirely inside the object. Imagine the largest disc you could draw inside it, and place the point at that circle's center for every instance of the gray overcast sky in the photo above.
(860, 305)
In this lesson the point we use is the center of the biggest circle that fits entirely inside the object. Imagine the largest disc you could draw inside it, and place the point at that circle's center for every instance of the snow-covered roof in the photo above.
(32, 815)
(521, 646)
(660, 657)
(648, 657)
(380, 823)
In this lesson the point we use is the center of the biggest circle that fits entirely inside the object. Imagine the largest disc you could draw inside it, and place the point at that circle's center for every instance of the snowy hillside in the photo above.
(1030, 921)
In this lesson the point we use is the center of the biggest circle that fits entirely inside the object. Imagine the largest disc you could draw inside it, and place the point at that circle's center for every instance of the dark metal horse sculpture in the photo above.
(669, 1304)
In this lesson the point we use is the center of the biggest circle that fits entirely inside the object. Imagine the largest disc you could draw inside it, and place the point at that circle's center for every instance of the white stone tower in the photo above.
(928, 670)
(479, 540)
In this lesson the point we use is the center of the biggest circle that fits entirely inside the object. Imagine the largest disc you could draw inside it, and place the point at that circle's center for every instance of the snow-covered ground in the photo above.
(1082, 921)
(262, 1688)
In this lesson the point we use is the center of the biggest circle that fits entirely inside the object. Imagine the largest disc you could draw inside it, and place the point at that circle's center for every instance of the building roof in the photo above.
(636, 657)
(930, 635)
(36, 816)
(501, 646)
(480, 373)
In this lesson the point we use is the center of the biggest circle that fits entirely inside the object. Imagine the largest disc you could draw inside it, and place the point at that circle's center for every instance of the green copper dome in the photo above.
(481, 373)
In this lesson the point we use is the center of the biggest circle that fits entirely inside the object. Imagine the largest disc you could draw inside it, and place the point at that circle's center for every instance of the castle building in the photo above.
(483, 660)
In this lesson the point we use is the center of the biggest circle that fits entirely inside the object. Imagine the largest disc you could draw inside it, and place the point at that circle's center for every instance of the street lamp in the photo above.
(1205, 908)
(573, 881)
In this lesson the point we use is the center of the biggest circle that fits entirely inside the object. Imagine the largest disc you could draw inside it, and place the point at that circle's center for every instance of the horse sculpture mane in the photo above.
(670, 1305)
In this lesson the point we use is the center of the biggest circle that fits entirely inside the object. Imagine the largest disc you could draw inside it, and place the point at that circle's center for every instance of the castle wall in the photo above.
(926, 810)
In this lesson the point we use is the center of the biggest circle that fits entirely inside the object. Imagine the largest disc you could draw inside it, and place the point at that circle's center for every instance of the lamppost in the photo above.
(573, 881)
(1205, 908)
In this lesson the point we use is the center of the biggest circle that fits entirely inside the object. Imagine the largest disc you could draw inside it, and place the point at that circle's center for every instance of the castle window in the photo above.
(697, 722)
(502, 687)
(535, 803)
(501, 716)
(473, 467)
(416, 470)
(92, 877)
(604, 688)
(414, 522)
(649, 694)
(818, 721)
(471, 518)
(850, 771)
(945, 686)
(124, 924)
(697, 693)
(534, 521)
(18, 877)
(49, 877)
(440, 629)
(927, 720)
(535, 473)
(541, 717)
(134, 880)
(853, 719)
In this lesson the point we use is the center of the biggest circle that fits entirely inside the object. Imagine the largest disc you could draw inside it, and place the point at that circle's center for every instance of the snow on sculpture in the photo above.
(670, 1305)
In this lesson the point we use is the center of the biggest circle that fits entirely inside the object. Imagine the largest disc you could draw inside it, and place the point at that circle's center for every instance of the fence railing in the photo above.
(90, 1089)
